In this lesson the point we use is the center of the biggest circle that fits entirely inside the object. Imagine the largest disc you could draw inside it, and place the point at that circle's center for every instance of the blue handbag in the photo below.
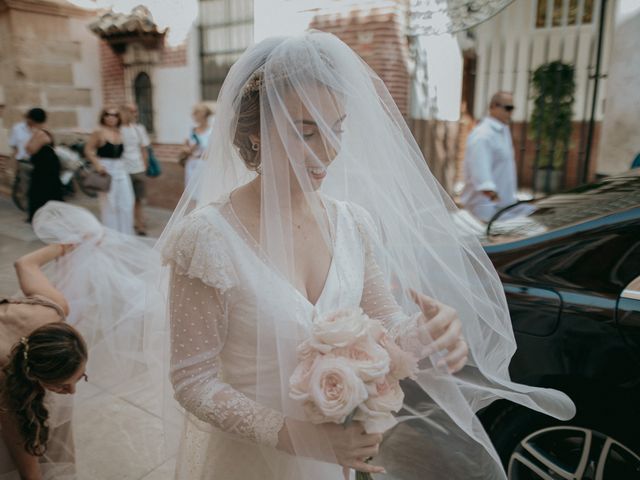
(153, 170)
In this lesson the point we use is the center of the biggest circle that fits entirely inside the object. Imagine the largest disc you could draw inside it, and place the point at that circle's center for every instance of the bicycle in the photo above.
(20, 187)
(73, 166)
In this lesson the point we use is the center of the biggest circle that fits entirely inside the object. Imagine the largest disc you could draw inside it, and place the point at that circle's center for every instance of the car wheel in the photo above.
(572, 452)
(534, 446)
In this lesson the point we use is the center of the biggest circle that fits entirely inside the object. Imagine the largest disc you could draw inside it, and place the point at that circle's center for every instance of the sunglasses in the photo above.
(508, 108)
(111, 114)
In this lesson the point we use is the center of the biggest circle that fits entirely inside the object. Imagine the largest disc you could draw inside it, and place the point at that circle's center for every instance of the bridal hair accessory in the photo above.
(25, 342)
(283, 71)
(254, 83)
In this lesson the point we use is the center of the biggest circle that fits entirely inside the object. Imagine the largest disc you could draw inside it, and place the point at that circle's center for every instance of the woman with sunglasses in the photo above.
(104, 149)
(40, 355)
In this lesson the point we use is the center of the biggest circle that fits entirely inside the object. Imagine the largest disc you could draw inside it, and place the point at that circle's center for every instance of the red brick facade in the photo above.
(165, 190)
(377, 35)
(112, 76)
(526, 153)
(173, 56)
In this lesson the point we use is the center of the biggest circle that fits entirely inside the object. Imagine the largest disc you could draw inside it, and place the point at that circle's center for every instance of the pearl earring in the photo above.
(255, 147)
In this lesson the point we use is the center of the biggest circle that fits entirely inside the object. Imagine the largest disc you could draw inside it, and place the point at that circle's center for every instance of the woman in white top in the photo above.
(196, 145)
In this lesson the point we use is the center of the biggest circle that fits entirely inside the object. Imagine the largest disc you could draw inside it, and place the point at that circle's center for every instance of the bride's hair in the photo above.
(249, 97)
(248, 124)
(50, 354)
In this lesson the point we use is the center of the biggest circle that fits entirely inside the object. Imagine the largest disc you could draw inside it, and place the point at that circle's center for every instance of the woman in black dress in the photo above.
(45, 176)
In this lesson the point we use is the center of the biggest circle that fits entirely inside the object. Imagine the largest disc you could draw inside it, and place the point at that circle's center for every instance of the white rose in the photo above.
(335, 390)
(338, 329)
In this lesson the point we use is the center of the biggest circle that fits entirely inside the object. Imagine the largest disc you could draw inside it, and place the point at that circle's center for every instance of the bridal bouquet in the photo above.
(350, 369)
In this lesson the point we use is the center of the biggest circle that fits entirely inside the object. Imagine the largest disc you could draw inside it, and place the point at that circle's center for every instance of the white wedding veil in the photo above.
(317, 128)
(110, 282)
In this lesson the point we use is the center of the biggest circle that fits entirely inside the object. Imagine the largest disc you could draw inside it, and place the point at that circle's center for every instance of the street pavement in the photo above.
(102, 451)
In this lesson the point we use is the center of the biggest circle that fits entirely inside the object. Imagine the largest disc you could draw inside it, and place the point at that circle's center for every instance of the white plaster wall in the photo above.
(87, 73)
(175, 91)
(621, 126)
(509, 43)
(436, 86)
(282, 17)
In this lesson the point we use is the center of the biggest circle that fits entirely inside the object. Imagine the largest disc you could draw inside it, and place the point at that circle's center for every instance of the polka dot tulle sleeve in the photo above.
(377, 299)
(198, 333)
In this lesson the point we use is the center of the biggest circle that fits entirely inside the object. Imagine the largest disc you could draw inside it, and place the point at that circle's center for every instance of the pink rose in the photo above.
(335, 390)
(403, 364)
(370, 360)
(305, 350)
(338, 329)
(299, 381)
(385, 397)
(388, 397)
(375, 422)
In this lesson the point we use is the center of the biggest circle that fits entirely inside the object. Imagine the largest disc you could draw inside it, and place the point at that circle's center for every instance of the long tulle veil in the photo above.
(376, 169)
(317, 128)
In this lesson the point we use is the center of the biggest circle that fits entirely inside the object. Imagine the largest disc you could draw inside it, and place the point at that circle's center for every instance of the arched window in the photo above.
(144, 100)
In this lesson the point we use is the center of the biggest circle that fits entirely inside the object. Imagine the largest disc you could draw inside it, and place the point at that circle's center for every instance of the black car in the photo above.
(571, 273)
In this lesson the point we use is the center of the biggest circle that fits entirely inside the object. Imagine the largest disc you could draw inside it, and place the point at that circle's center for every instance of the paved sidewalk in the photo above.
(102, 452)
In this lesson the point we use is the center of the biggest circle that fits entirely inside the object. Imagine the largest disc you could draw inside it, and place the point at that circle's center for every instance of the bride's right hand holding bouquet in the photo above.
(349, 373)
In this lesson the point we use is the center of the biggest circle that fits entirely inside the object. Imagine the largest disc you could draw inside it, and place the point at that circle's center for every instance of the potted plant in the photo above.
(553, 86)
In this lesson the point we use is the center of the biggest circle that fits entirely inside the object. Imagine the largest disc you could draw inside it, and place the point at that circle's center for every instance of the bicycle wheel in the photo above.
(20, 187)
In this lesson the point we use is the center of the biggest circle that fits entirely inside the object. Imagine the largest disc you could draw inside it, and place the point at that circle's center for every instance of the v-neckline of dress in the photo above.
(257, 249)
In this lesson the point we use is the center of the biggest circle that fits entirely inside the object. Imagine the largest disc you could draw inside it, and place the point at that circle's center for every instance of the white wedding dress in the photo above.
(303, 121)
(214, 360)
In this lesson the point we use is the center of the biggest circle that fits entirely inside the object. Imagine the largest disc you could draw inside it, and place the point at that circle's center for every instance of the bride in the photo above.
(315, 198)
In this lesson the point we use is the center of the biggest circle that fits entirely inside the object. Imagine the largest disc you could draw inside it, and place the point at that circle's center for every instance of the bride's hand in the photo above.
(352, 446)
(441, 329)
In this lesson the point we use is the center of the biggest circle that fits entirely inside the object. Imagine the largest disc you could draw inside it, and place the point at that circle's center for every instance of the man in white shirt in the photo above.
(135, 156)
(22, 131)
(489, 163)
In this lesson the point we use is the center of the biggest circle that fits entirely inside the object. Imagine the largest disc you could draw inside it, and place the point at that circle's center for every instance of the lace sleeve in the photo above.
(198, 249)
(198, 333)
(377, 298)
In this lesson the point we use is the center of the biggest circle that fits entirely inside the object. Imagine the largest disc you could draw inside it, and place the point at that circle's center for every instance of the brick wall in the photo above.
(377, 35)
(526, 153)
(112, 71)
(173, 56)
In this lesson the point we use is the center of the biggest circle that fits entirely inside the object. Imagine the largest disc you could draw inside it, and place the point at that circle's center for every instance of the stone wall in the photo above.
(47, 59)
